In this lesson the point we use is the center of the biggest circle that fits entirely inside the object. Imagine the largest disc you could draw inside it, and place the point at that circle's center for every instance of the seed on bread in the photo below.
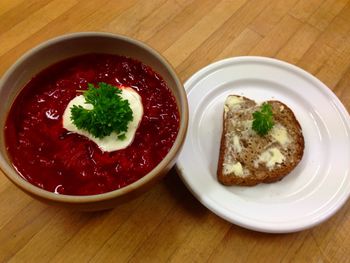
(247, 158)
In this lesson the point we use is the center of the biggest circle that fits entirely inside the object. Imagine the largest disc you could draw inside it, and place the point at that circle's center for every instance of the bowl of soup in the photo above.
(89, 120)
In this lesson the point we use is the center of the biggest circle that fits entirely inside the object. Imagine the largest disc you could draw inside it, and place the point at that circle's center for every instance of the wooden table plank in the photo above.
(277, 37)
(180, 24)
(34, 22)
(298, 44)
(271, 16)
(221, 38)
(203, 29)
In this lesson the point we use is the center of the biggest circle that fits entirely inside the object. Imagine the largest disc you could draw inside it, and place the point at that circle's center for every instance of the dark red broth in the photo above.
(54, 159)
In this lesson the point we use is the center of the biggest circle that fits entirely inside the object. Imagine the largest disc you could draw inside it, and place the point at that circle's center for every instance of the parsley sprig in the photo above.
(110, 113)
(263, 119)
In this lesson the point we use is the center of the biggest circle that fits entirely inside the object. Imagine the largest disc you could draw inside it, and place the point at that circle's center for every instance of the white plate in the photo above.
(313, 191)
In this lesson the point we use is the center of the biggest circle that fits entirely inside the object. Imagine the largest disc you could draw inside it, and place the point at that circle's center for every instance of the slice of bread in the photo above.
(247, 158)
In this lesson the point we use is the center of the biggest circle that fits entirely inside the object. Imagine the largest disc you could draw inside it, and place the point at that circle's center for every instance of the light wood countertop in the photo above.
(167, 224)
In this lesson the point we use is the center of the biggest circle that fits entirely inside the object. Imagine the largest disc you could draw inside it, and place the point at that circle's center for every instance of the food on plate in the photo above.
(260, 143)
(91, 124)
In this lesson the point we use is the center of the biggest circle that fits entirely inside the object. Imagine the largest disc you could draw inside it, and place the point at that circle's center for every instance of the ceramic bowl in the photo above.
(57, 49)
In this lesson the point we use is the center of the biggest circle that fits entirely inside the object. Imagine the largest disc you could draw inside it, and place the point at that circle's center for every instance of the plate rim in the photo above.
(344, 114)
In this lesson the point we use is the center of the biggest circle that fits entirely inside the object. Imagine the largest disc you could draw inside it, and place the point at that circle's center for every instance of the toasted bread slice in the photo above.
(247, 158)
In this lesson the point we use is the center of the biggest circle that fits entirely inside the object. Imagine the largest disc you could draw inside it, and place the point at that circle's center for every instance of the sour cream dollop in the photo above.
(112, 142)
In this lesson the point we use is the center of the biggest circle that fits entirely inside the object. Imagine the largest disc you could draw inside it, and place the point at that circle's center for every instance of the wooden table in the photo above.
(168, 223)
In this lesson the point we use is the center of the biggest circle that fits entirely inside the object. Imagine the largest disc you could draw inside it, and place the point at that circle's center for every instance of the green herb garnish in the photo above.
(110, 113)
(263, 119)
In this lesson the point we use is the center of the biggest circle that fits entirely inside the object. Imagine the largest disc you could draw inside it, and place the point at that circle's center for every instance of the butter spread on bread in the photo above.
(247, 158)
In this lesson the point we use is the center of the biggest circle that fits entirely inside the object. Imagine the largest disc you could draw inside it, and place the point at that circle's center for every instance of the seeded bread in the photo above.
(247, 158)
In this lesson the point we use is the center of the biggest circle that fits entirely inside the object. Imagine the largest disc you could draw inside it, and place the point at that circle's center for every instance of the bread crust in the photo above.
(259, 173)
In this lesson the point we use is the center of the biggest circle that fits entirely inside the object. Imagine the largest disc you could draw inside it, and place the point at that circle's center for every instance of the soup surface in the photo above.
(52, 158)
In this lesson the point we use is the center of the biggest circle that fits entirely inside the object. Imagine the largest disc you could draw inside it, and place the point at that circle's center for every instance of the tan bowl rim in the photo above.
(16, 178)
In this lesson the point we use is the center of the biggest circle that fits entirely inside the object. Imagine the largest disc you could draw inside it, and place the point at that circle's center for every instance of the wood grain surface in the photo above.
(167, 224)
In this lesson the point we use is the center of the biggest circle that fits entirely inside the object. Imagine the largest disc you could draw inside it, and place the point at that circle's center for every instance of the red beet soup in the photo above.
(50, 157)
